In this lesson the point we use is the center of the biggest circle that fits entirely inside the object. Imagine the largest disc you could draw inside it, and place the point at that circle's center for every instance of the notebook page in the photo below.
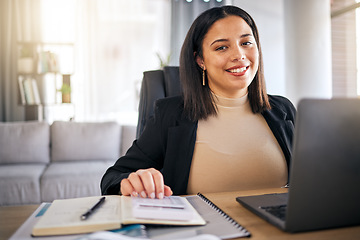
(63, 216)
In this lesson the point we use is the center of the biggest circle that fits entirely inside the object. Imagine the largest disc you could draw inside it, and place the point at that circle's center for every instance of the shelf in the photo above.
(43, 68)
(34, 113)
(50, 112)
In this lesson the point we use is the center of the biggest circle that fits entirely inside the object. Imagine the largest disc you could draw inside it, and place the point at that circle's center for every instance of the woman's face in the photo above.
(230, 57)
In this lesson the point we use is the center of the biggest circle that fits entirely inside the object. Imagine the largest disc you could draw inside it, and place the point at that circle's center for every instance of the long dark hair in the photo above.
(198, 100)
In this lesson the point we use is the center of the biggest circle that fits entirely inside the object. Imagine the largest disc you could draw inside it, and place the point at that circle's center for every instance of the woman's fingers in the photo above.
(167, 191)
(137, 184)
(158, 183)
(126, 188)
(145, 183)
(148, 183)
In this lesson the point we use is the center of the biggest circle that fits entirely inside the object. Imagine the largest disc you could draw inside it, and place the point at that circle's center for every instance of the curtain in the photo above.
(20, 21)
(85, 95)
(116, 41)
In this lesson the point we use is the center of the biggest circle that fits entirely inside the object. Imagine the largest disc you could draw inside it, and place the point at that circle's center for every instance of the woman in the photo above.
(225, 133)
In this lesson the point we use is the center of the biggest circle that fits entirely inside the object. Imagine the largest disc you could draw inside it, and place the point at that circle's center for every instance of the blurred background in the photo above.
(84, 60)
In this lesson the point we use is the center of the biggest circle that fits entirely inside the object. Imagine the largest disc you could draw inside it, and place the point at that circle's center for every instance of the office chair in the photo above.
(155, 85)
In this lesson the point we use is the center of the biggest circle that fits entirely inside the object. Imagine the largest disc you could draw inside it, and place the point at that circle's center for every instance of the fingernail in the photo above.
(152, 195)
(135, 194)
(143, 194)
(161, 195)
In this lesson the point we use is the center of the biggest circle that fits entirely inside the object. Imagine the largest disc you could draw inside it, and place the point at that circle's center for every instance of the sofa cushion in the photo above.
(19, 184)
(72, 179)
(24, 142)
(85, 141)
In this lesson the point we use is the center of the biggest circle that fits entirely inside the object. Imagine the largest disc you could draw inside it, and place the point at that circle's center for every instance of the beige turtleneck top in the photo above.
(235, 150)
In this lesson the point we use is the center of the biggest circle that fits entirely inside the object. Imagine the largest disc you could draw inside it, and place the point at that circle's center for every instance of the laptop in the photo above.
(324, 176)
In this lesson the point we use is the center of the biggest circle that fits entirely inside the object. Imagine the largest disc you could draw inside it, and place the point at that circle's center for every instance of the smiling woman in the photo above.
(230, 57)
(214, 30)
(224, 133)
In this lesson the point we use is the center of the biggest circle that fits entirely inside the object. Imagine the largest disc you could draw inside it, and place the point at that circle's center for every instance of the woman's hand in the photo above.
(145, 183)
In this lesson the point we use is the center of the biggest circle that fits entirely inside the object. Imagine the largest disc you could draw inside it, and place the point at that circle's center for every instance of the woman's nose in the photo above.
(238, 54)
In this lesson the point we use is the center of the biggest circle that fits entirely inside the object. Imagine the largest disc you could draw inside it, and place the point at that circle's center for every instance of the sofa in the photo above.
(40, 162)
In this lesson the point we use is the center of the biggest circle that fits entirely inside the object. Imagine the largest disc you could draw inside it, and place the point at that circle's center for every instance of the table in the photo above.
(11, 217)
(260, 229)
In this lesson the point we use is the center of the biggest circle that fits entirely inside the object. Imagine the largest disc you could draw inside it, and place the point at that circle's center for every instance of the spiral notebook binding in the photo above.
(222, 213)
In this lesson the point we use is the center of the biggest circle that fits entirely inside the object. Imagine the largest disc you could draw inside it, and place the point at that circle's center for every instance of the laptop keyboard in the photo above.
(277, 211)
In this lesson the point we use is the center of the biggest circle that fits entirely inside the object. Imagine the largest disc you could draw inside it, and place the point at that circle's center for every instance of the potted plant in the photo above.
(66, 93)
(163, 62)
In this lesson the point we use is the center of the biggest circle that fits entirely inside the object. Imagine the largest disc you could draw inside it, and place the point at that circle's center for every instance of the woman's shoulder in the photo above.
(171, 110)
(175, 100)
(280, 101)
(170, 106)
(283, 104)
(168, 103)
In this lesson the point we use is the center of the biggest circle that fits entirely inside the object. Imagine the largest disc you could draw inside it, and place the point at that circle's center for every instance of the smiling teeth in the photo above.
(237, 70)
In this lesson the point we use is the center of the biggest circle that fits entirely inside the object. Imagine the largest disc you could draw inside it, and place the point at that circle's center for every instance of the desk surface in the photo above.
(11, 218)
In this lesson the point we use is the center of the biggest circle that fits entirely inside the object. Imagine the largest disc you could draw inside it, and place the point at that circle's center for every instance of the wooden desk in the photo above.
(11, 218)
(260, 229)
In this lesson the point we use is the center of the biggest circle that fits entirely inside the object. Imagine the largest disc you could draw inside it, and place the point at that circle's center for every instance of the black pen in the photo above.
(91, 210)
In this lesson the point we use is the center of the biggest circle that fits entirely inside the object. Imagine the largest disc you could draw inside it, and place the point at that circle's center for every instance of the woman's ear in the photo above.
(200, 62)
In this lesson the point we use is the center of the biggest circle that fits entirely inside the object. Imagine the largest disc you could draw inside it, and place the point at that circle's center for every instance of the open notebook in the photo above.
(64, 216)
(218, 223)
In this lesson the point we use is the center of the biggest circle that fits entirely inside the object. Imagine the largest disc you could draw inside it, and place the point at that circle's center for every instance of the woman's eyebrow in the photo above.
(225, 40)
(219, 40)
(246, 35)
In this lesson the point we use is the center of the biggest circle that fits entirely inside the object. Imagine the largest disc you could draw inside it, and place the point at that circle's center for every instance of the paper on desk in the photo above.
(103, 235)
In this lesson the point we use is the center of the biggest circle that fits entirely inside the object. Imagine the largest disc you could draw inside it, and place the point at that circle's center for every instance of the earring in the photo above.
(203, 76)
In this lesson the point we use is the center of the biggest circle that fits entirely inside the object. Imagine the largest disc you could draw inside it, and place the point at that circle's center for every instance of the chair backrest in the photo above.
(155, 85)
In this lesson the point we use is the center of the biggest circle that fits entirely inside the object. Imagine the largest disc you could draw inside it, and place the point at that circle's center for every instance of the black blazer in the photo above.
(168, 140)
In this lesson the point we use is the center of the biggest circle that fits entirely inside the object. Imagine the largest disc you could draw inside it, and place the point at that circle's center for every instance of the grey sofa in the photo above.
(41, 162)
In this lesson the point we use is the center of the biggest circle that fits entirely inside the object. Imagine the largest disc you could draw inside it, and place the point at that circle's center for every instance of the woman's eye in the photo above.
(246, 43)
(220, 48)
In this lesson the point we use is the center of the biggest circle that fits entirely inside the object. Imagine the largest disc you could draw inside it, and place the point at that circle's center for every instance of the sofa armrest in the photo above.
(128, 135)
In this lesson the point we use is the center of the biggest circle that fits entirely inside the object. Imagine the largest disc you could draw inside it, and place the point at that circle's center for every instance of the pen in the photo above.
(91, 210)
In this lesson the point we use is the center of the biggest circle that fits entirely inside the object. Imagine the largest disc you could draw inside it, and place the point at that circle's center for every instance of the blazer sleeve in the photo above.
(145, 152)
(149, 150)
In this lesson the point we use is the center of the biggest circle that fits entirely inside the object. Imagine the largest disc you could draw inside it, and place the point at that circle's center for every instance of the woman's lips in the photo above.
(238, 70)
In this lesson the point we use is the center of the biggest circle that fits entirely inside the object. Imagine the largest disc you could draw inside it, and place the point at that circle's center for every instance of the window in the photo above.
(345, 50)
(115, 41)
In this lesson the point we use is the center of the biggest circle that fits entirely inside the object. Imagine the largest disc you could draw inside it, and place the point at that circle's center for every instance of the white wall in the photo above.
(296, 43)
(269, 18)
(308, 49)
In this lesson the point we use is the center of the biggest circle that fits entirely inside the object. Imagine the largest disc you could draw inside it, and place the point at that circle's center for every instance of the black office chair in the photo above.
(155, 85)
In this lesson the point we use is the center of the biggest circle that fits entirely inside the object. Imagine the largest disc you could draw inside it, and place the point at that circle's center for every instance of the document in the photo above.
(64, 216)
(218, 223)
(168, 208)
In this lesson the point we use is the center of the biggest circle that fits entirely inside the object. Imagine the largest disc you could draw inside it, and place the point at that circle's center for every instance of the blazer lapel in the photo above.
(281, 128)
(178, 157)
